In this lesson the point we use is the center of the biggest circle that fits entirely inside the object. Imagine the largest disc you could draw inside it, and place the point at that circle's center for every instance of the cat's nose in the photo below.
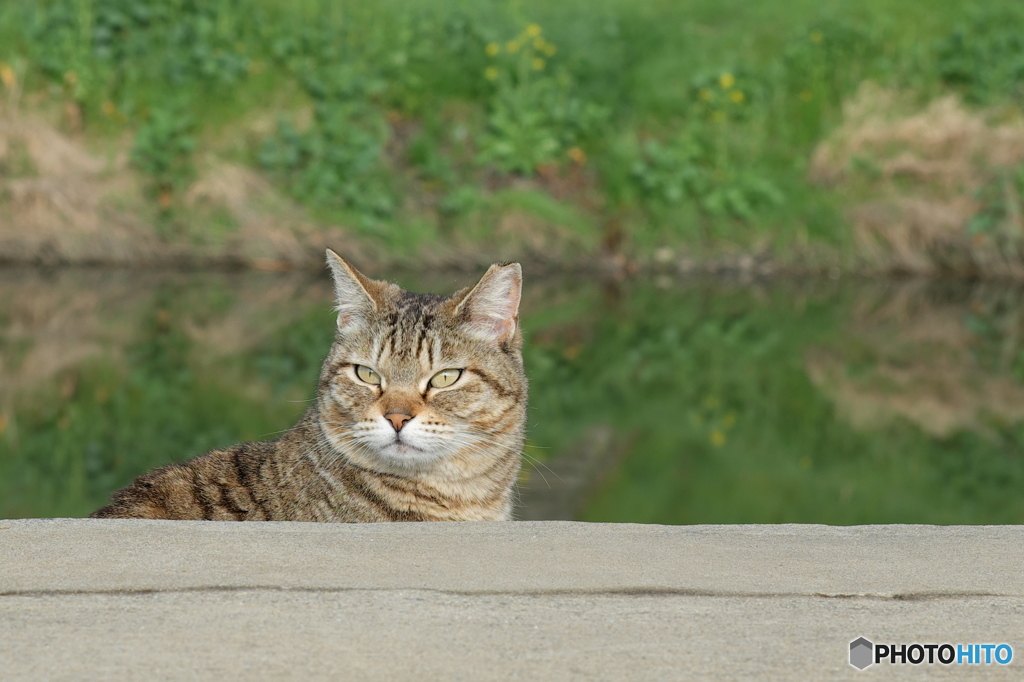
(398, 419)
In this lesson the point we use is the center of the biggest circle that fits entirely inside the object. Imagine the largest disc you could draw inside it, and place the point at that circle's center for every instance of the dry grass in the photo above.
(59, 203)
(916, 175)
(55, 211)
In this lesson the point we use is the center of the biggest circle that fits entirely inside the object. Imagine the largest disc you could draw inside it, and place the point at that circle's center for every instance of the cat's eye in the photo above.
(367, 375)
(445, 378)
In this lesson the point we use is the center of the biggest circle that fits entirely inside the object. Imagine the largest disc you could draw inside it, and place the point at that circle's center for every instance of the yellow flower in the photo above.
(491, 73)
(7, 76)
(550, 49)
(512, 46)
(717, 438)
(533, 30)
(492, 49)
(577, 155)
(737, 96)
(806, 96)
(538, 64)
(705, 94)
(726, 80)
(817, 36)
(717, 116)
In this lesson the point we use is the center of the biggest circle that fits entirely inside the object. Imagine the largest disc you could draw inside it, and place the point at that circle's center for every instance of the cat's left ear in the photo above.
(491, 309)
(352, 291)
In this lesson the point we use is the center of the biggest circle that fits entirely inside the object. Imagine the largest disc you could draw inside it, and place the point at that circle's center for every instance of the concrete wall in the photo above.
(91, 599)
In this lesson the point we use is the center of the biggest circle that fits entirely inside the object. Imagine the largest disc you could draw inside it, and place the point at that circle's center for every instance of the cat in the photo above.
(419, 415)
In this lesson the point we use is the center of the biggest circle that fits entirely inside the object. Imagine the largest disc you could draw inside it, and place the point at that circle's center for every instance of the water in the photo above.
(651, 401)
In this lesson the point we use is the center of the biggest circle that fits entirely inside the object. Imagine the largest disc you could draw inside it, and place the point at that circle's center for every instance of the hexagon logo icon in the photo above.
(861, 651)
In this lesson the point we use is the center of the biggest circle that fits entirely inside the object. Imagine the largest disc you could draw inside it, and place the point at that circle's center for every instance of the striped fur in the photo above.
(455, 459)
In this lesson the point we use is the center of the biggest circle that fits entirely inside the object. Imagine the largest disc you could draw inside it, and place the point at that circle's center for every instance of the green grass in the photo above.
(694, 119)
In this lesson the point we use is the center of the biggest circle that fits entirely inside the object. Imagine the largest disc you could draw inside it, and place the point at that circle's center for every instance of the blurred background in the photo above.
(774, 252)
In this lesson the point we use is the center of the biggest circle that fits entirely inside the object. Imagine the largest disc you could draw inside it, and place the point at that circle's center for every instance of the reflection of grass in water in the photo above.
(730, 429)
(711, 386)
(71, 455)
(165, 403)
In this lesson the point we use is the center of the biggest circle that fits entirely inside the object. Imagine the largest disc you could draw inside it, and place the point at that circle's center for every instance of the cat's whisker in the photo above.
(276, 433)
(480, 445)
(533, 461)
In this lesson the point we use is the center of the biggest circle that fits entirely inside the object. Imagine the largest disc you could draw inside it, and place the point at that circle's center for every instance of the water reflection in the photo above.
(669, 402)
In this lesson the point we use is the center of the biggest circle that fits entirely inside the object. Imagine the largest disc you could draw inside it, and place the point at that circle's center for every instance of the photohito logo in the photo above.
(863, 652)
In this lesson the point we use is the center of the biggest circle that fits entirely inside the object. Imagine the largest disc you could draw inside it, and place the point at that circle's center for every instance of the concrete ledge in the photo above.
(552, 600)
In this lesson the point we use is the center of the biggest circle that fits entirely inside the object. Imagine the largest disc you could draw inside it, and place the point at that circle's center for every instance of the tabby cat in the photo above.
(419, 416)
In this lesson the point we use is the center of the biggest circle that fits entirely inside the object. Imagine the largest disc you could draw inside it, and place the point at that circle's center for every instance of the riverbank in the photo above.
(81, 209)
(817, 138)
(116, 599)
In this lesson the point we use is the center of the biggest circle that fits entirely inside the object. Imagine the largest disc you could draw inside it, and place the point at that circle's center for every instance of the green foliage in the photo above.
(163, 151)
(534, 115)
(727, 100)
(121, 47)
(200, 38)
(984, 56)
(1001, 216)
(831, 56)
(698, 168)
(337, 163)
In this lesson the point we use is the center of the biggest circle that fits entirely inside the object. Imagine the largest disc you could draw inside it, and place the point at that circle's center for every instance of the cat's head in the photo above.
(418, 383)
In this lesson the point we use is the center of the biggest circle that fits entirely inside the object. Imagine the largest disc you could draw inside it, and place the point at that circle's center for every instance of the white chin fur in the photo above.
(410, 453)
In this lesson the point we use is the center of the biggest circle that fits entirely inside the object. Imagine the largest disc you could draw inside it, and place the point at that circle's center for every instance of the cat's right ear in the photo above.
(353, 300)
(490, 310)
